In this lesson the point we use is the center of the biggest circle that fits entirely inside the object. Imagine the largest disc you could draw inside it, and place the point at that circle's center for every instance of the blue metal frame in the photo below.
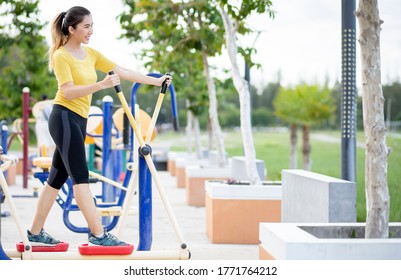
(145, 205)
(3, 255)
(4, 136)
(174, 109)
(108, 191)
(145, 178)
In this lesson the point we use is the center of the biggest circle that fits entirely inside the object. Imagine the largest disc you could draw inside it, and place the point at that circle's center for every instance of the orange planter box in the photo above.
(195, 179)
(11, 175)
(233, 212)
(264, 255)
(180, 176)
(171, 157)
(180, 164)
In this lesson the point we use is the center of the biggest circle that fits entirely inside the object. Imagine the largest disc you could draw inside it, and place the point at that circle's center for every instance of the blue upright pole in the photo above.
(145, 205)
(3, 255)
(108, 191)
(144, 175)
(4, 137)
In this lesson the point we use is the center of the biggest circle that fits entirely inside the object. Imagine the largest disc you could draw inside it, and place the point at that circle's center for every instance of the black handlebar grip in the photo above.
(164, 85)
(126, 131)
(117, 87)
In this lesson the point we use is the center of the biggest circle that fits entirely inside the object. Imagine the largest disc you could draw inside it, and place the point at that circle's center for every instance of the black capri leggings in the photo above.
(68, 130)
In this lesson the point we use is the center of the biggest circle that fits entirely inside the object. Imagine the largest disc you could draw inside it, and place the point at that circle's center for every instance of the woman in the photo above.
(74, 65)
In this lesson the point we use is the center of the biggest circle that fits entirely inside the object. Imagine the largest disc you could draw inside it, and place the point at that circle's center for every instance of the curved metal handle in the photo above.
(117, 87)
(164, 84)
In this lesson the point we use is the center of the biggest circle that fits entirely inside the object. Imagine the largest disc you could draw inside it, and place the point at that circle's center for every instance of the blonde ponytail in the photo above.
(58, 36)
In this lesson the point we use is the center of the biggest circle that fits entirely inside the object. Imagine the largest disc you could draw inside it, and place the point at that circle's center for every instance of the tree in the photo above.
(22, 56)
(317, 105)
(376, 153)
(234, 17)
(194, 32)
(286, 106)
(304, 105)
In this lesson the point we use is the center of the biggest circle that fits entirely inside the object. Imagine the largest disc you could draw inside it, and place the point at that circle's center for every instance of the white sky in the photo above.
(303, 42)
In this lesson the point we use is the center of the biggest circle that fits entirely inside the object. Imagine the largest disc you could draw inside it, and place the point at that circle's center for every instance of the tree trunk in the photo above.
(209, 135)
(376, 153)
(213, 114)
(188, 128)
(306, 148)
(242, 88)
(294, 152)
(197, 136)
(193, 133)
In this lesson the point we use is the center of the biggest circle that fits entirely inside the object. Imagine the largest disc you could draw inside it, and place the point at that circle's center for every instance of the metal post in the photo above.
(3, 255)
(348, 92)
(145, 205)
(3, 142)
(25, 135)
(108, 192)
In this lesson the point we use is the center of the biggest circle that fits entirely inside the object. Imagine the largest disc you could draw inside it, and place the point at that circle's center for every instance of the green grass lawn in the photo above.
(274, 149)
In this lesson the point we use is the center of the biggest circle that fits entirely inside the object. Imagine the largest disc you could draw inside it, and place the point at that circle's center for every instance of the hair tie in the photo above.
(63, 17)
(63, 27)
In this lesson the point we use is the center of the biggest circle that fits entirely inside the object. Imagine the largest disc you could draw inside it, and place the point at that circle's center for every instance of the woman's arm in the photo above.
(133, 76)
(72, 91)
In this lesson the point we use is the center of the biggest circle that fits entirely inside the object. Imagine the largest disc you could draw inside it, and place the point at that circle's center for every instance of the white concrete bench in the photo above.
(311, 197)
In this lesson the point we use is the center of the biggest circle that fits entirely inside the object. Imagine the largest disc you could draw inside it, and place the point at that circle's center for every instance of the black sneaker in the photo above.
(106, 240)
(42, 239)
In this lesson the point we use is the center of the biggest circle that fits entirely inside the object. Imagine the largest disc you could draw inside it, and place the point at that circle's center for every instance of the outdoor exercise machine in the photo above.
(114, 206)
(146, 171)
(110, 207)
(21, 133)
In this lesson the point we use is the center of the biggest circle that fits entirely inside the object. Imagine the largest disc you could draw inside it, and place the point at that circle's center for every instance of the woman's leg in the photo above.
(57, 176)
(84, 198)
(46, 200)
(68, 131)
(69, 135)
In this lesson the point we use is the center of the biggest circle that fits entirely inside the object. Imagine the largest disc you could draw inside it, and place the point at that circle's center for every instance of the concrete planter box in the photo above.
(11, 175)
(171, 157)
(310, 197)
(196, 177)
(240, 171)
(181, 163)
(233, 212)
(321, 241)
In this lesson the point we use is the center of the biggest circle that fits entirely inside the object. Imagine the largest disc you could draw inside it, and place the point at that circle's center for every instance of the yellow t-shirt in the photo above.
(81, 72)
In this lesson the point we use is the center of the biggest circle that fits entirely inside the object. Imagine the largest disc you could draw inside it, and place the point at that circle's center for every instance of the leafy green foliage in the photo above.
(176, 35)
(23, 60)
(304, 104)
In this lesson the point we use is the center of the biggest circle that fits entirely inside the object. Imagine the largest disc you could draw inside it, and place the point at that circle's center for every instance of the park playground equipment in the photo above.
(21, 132)
(146, 170)
(110, 203)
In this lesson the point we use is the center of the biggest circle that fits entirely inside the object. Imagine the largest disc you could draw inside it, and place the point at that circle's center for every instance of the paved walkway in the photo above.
(190, 219)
